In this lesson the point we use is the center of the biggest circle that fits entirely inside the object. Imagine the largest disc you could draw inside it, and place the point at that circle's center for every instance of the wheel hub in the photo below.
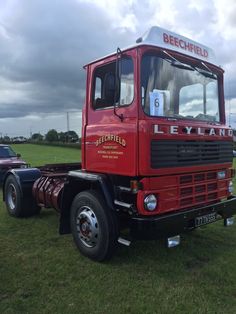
(11, 197)
(87, 227)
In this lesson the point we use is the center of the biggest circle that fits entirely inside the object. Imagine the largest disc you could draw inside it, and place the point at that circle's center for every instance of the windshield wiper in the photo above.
(176, 63)
(181, 65)
(207, 73)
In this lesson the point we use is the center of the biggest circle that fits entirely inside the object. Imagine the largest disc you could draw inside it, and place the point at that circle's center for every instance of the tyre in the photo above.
(16, 204)
(94, 227)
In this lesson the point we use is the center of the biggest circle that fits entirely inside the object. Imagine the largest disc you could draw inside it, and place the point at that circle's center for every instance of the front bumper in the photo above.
(175, 223)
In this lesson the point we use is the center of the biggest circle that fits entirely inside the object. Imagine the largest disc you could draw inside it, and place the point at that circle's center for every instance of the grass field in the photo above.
(42, 272)
(38, 155)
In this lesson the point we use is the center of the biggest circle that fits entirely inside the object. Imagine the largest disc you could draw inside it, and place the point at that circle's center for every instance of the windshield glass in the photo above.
(6, 152)
(171, 91)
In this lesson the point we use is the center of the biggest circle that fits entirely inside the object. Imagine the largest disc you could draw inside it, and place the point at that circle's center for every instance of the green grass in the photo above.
(42, 272)
(38, 155)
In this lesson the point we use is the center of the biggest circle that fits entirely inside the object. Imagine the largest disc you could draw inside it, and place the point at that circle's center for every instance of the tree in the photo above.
(62, 137)
(52, 136)
(72, 136)
(6, 139)
(69, 137)
(37, 137)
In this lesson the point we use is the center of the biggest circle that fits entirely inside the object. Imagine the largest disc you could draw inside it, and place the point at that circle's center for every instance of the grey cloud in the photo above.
(42, 98)
(44, 44)
(48, 44)
(230, 87)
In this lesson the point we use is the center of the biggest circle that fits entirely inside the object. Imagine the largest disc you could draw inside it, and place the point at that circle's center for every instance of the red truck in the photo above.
(156, 153)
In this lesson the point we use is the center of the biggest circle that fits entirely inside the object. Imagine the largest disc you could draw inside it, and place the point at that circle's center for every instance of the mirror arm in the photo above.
(117, 77)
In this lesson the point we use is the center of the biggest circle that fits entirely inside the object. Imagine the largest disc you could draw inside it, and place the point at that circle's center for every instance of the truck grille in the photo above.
(189, 153)
(200, 188)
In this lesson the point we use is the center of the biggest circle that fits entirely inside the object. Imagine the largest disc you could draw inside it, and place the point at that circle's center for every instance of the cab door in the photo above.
(111, 130)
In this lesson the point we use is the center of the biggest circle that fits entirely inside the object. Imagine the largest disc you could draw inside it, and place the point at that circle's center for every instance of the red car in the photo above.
(8, 160)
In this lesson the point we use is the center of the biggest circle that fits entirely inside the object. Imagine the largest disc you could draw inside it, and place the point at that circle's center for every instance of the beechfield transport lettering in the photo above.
(111, 138)
(175, 129)
(185, 45)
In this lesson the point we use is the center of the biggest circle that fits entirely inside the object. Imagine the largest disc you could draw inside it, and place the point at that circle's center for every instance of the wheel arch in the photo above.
(79, 181)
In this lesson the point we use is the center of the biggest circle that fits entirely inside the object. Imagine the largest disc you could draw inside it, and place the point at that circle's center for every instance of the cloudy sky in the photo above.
(45, 43)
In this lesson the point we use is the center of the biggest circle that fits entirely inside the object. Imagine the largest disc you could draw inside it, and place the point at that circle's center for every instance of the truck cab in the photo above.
(155, 113)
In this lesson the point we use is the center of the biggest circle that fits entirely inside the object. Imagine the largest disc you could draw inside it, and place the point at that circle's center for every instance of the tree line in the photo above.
(54, 136)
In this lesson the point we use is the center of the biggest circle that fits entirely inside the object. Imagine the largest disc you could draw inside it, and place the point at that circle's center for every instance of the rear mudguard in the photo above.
(25, 178)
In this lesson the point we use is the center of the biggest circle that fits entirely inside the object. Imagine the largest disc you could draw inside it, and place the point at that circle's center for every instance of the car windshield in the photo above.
(6, 152)
(173, 89)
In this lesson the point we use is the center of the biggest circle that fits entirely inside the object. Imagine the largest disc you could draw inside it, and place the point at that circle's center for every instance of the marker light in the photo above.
(229, 221)
(173, 241)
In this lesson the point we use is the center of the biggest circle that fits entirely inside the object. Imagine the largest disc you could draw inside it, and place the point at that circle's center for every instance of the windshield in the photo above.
(171, 91)
(6, 152)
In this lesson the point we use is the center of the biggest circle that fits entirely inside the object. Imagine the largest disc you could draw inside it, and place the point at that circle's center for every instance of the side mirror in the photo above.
(18, 155)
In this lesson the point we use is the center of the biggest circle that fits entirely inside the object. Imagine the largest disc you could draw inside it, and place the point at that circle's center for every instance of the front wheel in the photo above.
(94, 226)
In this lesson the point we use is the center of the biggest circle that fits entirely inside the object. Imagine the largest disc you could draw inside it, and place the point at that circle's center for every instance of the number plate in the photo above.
(206, 219)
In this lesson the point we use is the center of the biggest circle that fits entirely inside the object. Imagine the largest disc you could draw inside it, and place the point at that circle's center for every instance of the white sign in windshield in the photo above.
(156, 103)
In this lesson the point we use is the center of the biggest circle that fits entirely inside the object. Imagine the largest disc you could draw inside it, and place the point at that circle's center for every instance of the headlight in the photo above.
(230, 187)
(23, 166)
(150, 202)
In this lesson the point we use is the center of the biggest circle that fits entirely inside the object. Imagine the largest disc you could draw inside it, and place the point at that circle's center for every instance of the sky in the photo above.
(44, 45)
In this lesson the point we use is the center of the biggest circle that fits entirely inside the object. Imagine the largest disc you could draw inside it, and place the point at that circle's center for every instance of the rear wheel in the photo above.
(94, 226)
(17, 205)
